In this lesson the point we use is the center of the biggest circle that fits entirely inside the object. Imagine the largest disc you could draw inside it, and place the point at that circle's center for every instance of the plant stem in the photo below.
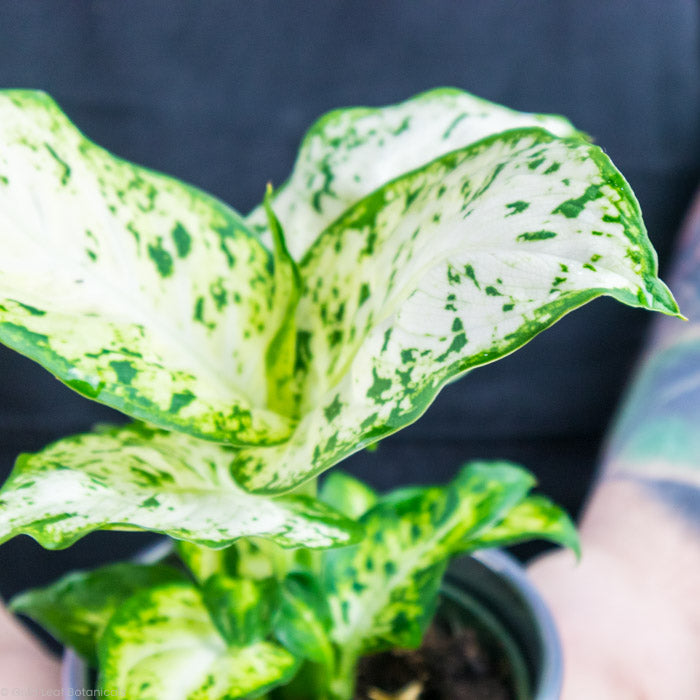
(342, 682)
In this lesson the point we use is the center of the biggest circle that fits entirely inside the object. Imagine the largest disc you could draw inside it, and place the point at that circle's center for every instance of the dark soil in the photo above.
(446, 667)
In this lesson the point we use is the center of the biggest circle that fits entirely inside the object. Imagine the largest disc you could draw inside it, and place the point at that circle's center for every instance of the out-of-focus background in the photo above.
(220, 92)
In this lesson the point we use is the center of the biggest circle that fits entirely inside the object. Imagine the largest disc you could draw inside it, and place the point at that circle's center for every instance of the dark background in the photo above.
(219, 93)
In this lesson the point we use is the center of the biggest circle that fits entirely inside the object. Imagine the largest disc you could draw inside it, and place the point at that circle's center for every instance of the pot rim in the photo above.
(550, 660)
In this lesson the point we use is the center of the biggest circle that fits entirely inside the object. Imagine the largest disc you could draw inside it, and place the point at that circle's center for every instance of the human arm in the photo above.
(629, 613)
(24, 663)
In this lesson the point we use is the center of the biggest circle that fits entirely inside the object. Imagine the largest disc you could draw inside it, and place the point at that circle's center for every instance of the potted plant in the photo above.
(410, 244)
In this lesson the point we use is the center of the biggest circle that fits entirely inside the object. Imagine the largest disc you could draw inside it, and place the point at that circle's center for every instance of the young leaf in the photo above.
(162, 643)
(241, 609)
(253, 558)
(536, 517)
(281, 353)
(76, 609)
(132, 288)
(141, 478)
(303, 619)
(349, 153)
(347, 494)
(203, 562)
(446, 268)
(382, 592)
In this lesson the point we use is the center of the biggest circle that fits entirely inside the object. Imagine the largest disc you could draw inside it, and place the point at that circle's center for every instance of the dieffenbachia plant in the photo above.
(411, 244)
(235, 629)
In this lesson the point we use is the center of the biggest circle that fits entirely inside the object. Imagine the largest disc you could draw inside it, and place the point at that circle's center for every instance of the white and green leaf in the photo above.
(536, 517)
(303, 620)
(240, 608)
(141, 478)
(134, 289)
(449, 267)
(349, 153)
(162, 643)
(75, 609)
(383, 591)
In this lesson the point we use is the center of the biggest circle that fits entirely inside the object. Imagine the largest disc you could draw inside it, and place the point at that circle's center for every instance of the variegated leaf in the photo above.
(141, 478)
(162, 644)
(254, 558)
(348, 153)
(382, 592)
(132, 288)
(303, 619)
(536, 517)
(452, 266)
(77, 608)
(240, 608)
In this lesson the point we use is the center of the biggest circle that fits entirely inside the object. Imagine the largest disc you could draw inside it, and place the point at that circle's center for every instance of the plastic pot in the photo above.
(489, 587)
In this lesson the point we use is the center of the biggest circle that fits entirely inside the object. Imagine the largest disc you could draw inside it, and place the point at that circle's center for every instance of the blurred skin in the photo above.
(629, 613)
(24, 664)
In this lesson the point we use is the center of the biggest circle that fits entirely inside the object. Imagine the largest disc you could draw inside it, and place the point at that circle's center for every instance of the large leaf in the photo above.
(162, 644)
(132, 288)
(77, 608)
(348, 153)
(452, 266)
(137, 477)
(445, 268)
(382, 592)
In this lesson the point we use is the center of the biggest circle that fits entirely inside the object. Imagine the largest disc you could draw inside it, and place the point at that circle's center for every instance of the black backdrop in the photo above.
(219, 93)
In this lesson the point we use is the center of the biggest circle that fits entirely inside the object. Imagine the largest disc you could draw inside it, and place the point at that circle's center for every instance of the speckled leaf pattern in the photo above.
(141, 478)
(452, 266)
(240, 608)
(76, 608)
(151, 296)
(349, 153)
(132, 288)
(382, 592)
(162, 644)
(535, 517)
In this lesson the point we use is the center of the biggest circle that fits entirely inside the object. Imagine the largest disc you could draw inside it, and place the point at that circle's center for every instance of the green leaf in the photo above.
(203, 562)
(449, 267)
(382, 592)
(241, 609)
(349, 153)
(281, 356)
(162, 644)
(76, 609)
(134, 289)
(347, 494)
(536, 517)
(303, 619)
(141, 478)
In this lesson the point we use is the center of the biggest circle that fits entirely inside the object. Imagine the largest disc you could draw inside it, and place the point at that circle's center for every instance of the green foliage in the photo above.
(77, 608)
(347, 494)
(162, 643)
(145, 478)
(411, 244)
(227, 635)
